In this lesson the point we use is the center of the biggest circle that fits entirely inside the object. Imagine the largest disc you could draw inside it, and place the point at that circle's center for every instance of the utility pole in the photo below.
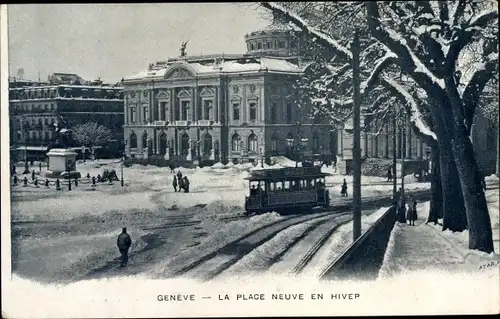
(394, 155)
(403, 153)
(356, 152)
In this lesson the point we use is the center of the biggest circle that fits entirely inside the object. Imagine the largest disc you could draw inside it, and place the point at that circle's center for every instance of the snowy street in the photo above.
(71, 235)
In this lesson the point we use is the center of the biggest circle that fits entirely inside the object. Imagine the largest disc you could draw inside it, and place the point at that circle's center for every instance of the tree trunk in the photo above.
(436, 204)
(478, 217)
(454, 214)
(498, 149)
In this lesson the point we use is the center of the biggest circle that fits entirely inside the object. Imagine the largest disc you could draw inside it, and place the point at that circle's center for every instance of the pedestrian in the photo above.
(172, 169)
(99, 179)
(180, 181)
(40, 166)
(185, 184)
(413, 209)
(343, 190)
(174, 183)
(389, 175)
(33, 175)
(46, 183)
(401, 207)
(88, 175)
(124, 242)
(15, 179)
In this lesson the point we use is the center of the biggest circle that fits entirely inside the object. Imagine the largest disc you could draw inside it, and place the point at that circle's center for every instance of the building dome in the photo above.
(277, 39)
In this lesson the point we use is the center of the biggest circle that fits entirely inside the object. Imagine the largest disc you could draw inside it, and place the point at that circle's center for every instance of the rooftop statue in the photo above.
(183, 48)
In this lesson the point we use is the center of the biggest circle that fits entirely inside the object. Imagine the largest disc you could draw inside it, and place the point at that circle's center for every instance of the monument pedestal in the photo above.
(62, 162)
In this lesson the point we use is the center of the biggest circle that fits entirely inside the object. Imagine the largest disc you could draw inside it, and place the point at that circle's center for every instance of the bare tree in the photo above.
(91, 134)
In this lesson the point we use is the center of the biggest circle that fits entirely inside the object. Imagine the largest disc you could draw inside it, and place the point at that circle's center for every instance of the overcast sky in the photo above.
(112, 41)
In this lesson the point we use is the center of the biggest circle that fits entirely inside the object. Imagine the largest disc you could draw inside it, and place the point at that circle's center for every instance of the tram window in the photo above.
(286, 185)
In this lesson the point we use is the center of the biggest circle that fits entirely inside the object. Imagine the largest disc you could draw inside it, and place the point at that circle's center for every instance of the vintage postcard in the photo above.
(250, 159)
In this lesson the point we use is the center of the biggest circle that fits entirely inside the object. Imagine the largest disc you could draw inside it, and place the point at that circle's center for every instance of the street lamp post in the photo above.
(122, 163)
(25, 129)
(289, 143)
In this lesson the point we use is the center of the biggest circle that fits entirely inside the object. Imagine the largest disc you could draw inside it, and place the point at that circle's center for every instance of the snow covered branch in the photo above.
(410, 63)
(382, 64)
(476, 86)
(320, 36)
(416, 117)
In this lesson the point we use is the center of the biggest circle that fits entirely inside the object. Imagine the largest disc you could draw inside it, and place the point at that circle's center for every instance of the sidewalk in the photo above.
(425, 247)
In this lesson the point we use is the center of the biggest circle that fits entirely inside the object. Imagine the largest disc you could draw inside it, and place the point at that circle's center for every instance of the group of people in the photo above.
(407, 211)
(180, 183)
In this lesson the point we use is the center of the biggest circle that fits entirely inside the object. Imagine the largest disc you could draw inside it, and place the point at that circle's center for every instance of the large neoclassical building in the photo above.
(224, 107)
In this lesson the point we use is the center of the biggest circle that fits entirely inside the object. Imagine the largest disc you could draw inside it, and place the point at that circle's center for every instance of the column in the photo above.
(192, 110)
(150, 107)
(375, 145)
(217, 107)
(421, 149)
(408, 139)
(173, 99)
(125, 110)
(195, 104)
(364, 151)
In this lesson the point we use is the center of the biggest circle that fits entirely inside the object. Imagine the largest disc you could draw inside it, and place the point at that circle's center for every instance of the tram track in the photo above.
(232, 252)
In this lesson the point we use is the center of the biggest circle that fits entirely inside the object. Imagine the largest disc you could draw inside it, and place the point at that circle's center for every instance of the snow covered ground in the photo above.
(169, 229)
(425, 247)
(148, 188)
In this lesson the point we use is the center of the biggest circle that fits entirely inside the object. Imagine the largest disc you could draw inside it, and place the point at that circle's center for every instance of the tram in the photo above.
(286, 190)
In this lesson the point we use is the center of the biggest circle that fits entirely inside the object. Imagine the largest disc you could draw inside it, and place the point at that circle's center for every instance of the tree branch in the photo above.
(409, 62)
(474, 88)
(320, 37)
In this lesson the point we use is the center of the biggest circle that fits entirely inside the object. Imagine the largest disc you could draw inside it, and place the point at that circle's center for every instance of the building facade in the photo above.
(35, 106)
(224, 107)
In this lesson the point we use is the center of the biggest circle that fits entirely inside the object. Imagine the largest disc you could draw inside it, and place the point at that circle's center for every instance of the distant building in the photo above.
(237, 107)
(35, 106)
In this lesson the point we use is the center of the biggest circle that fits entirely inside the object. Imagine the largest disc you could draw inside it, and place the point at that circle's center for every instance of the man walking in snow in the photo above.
(124, 242)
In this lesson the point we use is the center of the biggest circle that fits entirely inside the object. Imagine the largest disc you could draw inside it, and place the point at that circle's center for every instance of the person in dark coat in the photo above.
(174, 183)
(185, 184)
(124, 242)
(171, 166)
(180, 180)
(343, 190)
(413, 212)
(401, 210)
(389, 175)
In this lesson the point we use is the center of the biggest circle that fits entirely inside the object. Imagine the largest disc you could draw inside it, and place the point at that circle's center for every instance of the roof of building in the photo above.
(224, 66)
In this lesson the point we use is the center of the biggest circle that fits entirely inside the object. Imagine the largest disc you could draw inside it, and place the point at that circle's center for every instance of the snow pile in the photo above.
(219, 165)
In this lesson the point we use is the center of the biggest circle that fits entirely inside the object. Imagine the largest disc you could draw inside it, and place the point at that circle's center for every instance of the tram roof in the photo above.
(286, 173)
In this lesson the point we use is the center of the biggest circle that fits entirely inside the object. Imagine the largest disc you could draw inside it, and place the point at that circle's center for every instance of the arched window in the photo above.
(235, 142)
(163, 143)
(207, 144)
(145, 139)
(133, 140)
(252, 143)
